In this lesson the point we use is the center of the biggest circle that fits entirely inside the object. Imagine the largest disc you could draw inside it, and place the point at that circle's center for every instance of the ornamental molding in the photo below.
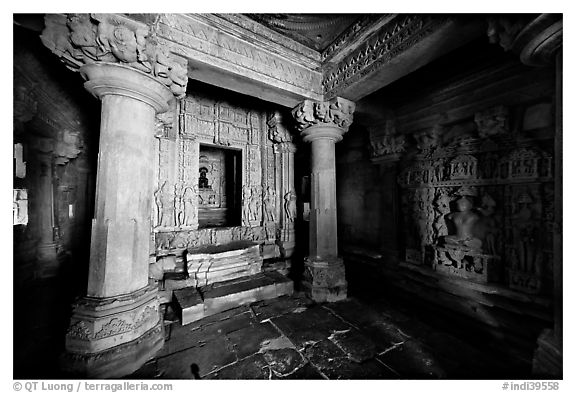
(337, 112)
(384, 45)
(195, 37)
(80, 39)
(358, 31)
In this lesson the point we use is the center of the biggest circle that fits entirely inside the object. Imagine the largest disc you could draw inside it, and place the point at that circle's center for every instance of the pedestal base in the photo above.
(325, 280)
(547, 362)
(124, 331)
(118, 361)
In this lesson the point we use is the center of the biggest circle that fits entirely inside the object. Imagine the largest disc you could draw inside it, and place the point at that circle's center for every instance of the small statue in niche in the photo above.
(270, 204)
(203, 180)
(464, 220)
(290, 205)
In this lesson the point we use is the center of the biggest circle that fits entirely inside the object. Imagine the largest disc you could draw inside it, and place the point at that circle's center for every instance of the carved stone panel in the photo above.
(484, 217)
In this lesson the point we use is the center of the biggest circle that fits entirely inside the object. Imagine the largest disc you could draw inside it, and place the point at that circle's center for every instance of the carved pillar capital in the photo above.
(118, 79)
(324, 119)
(536, 40)
(385, 143)
(81, 39)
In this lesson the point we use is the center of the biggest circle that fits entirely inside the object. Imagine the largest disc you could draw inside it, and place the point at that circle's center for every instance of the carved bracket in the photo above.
(337, 112)
(80, 39)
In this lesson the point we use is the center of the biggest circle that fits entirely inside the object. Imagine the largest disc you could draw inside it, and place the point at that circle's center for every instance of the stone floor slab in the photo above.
(253, 367)
(284, 361)
(248, 341)
(206, 358)
(356, 345)
(412, 360)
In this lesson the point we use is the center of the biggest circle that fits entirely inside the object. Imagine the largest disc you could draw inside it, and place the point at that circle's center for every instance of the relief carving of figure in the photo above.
(464, 221)
(179, 205)
(189, 207)
(246, 197)
(167, 202)
(159, 205)
(255, 203)
(526, 256)
(290, 205)
(442, 208)
(270, 204)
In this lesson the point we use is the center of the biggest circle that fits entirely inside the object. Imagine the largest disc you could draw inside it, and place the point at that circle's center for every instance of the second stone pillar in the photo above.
(323, 124)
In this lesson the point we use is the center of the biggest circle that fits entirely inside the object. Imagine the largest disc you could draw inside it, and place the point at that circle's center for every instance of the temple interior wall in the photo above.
(494, 120)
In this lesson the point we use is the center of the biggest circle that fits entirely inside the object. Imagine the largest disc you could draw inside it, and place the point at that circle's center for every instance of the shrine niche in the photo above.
(221, 178)
(219, 187)
(480, 207)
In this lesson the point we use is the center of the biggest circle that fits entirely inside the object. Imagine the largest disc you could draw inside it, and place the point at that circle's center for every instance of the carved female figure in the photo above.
(290, 205)
(189, 208)
(270, 204)
(246, 197)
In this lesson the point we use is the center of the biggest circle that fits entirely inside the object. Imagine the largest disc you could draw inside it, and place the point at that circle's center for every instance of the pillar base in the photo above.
(547, 362)
(112, 337)
(325, 280)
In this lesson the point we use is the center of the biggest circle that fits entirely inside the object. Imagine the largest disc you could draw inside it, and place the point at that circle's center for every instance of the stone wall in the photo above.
(204, 118)
(483, 130)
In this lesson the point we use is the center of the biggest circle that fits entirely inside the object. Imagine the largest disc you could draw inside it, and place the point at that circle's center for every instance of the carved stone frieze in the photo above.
(193, 34)
(80, 39)
(337, 112)
(384, 45)
(473, 216)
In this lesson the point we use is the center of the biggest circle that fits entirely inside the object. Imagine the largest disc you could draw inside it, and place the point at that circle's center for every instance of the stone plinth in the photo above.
(325, 281)
(467, 264)
(209, 264)
(199, 303)
(323, 124)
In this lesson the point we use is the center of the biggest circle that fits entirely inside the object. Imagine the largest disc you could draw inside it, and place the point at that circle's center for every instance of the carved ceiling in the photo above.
(316, 31)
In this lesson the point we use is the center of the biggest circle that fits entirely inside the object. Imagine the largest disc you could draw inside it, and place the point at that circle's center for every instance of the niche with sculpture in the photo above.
(222, 176)
(480, 207)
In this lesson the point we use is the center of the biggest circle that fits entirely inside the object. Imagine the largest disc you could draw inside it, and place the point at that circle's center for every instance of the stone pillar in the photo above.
(46, 250)
(323, 124)
(538, 41)
(117, 327)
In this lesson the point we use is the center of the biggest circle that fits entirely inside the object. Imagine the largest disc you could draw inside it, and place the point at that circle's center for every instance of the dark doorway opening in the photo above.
(219, 187)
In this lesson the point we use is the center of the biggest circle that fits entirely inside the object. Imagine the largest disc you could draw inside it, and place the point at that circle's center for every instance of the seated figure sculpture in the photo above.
(464, 221)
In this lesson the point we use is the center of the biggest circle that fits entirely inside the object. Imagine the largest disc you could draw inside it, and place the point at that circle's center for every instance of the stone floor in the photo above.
(294, 338)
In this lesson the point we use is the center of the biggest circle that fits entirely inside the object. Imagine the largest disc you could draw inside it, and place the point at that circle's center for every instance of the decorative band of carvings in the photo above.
(186, 32)
(383, 46)
(348, 36)
(80, 39)
(337, 112)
